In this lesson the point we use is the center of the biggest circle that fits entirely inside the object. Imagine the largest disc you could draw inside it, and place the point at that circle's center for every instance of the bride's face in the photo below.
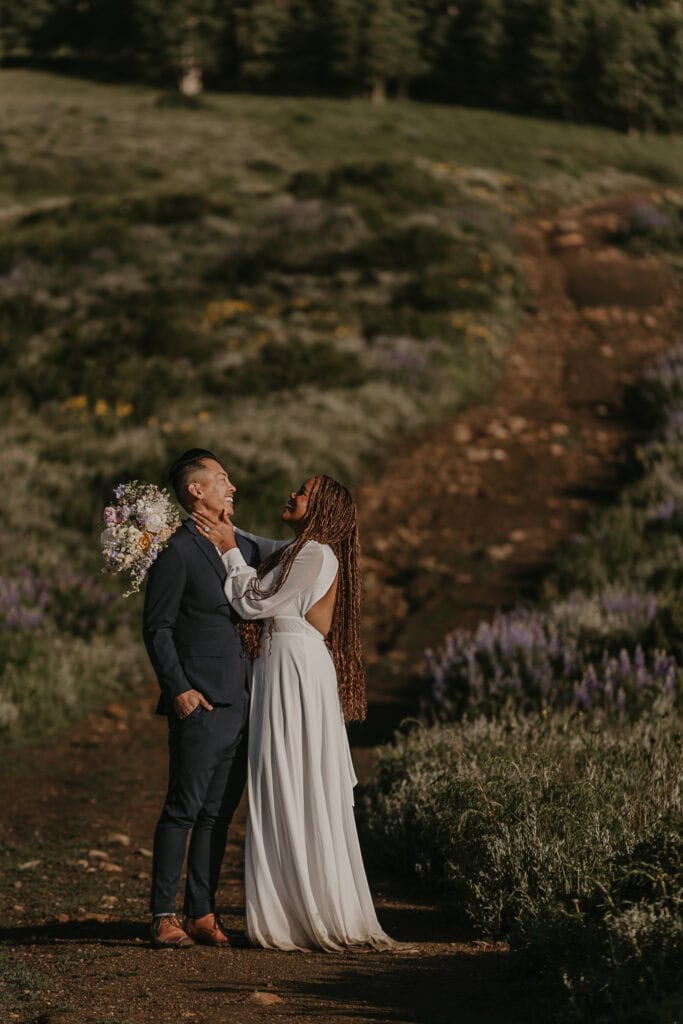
(296, 509)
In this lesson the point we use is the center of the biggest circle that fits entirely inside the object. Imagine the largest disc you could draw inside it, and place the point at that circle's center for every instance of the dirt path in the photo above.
(462, 519)
(467, 517)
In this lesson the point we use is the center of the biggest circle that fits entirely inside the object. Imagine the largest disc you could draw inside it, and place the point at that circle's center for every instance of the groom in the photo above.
(192, 639)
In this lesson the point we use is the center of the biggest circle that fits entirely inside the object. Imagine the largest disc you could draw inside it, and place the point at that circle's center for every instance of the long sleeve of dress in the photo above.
(303, 575)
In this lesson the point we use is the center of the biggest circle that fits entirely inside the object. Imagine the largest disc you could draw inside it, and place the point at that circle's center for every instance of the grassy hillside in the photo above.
(294, 283)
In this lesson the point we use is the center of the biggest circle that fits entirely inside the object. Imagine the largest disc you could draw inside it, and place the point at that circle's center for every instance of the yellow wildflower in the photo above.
(219, 312)
(101, 407)
(479, 331)
(203, 416)
(123, 409)
(76, 403)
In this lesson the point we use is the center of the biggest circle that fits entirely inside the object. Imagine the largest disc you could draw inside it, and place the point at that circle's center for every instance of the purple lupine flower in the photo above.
(646, 218)
(535, 658)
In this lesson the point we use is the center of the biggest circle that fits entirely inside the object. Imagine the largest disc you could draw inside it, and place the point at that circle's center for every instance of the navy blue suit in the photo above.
(190, 632)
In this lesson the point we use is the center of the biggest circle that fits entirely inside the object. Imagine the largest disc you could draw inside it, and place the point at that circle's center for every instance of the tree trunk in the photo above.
(191, 80)
(379, 91)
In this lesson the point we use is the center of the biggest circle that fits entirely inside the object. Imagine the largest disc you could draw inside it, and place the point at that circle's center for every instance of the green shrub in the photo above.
(380, 191)
(286, 368)
(623, 968)
(510, 819)
(651, 227)
(404, 248)
(59, 242)
(441, 288)
(378, 318)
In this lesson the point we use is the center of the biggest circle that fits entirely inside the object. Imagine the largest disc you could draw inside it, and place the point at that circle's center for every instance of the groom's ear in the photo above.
(194, 490)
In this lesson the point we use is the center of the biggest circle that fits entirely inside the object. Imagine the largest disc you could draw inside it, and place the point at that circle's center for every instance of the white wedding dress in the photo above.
(304, 877)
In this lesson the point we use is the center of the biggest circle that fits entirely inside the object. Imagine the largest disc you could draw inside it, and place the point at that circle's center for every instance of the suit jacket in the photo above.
(189, 629)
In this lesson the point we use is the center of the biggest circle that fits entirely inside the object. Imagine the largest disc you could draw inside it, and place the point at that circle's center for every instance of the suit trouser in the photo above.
(207, 775)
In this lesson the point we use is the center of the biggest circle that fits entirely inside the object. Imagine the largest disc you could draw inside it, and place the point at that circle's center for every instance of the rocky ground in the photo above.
(462, 520)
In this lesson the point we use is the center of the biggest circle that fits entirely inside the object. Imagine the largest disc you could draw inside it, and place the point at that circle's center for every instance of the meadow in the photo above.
(544, 804)
(295, 283)
(298, 284)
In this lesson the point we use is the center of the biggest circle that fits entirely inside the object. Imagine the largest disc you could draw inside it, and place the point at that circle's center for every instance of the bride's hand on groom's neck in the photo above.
(218, 529)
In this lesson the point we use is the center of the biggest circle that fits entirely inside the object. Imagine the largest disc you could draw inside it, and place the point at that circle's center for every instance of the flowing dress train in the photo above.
(304, 876)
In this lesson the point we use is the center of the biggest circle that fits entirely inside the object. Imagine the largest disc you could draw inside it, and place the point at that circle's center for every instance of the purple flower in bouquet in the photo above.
(112, 516)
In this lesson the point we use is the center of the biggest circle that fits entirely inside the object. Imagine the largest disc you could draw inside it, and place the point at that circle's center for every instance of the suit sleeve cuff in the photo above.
(233, 559)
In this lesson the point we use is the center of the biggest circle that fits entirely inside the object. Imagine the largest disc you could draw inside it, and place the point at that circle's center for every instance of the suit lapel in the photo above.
(207, 549)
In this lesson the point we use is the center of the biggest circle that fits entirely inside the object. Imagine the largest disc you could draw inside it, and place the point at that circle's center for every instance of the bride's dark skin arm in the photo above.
(219, 531)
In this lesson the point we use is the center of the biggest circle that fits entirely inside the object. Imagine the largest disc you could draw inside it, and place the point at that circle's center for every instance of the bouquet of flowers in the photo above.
(137, 527)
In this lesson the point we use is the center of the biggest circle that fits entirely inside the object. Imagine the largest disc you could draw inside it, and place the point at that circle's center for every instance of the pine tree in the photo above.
(182, 39)
(261, 26)
(392, 46)
(21, 25)
(631, 85)
(467, 61)
(620, 66)
(668, 24)
(553, 57)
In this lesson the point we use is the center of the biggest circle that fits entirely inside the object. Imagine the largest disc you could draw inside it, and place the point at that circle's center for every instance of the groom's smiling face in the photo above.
(211, 488)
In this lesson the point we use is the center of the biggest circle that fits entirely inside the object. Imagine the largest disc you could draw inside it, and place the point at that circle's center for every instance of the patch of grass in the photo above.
(294, 134)
(22, 984)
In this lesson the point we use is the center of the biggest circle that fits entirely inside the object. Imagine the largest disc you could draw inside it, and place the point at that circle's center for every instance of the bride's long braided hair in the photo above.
(331, 519)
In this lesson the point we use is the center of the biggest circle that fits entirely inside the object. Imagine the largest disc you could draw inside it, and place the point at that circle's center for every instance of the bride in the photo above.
(304, 877)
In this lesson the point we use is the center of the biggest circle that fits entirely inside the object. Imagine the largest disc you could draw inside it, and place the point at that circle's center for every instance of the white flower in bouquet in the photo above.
(154, 521)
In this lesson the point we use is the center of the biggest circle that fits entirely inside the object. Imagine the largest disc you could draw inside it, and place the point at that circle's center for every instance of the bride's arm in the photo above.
(265, 545)
(238, 585)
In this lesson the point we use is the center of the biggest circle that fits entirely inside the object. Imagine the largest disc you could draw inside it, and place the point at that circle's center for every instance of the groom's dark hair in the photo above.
(182, 468)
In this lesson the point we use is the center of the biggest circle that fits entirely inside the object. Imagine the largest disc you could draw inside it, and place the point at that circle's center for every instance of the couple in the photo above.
(294, 607)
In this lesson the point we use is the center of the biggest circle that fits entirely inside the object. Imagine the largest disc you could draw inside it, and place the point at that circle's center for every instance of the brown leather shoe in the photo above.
(167, 933)
(206, 930)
